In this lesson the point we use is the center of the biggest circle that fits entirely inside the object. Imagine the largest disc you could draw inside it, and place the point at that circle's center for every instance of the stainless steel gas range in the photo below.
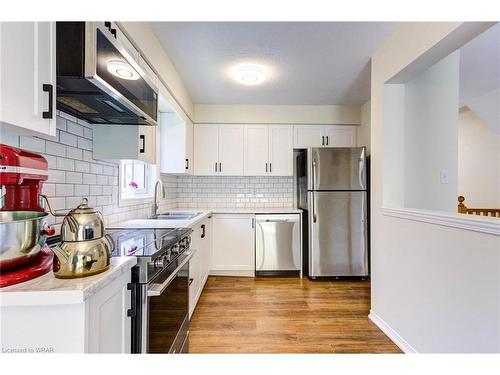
(159, 287)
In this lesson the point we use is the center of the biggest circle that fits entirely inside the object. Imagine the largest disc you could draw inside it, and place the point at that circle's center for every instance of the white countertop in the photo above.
(49, 290)
(156, 223)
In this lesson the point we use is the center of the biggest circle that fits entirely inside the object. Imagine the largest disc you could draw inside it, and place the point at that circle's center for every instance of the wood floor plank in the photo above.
(285, 315)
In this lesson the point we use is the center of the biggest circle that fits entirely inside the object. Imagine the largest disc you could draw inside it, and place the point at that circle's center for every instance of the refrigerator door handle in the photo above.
(361, 169)
(313, 174)
(314, 208)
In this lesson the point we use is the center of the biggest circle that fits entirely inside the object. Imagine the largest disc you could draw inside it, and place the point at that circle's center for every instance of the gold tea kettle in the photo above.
(85, 249)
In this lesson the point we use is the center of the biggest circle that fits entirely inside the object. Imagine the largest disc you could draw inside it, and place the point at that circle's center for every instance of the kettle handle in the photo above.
(50, 207)
(110, 239)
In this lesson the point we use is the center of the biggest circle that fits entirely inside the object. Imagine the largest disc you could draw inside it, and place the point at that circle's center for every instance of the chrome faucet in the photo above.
(154, 208)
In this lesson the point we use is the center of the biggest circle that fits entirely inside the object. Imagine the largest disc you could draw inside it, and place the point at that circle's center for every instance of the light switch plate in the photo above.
(443, 176)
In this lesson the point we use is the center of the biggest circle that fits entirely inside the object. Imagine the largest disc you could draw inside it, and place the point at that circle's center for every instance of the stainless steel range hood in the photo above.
(98, 80)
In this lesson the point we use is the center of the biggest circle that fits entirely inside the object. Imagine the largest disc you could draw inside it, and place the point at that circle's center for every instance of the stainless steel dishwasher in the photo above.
(278, 245)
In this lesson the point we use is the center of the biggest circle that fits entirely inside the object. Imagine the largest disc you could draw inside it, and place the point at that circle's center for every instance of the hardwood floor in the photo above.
(285, 315)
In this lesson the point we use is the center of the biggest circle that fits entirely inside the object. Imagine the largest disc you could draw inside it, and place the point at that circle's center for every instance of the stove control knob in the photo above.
(175, 249)
(161, 261)
(188, 241)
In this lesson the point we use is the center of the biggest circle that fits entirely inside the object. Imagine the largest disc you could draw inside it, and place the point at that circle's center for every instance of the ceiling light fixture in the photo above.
(122, 69)
(249, 74)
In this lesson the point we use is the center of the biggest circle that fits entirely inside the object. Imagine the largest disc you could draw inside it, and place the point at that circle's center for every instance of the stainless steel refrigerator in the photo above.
(331, 187)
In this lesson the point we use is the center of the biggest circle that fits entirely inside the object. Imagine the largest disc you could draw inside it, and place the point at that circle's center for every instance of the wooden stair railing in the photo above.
(462, 209)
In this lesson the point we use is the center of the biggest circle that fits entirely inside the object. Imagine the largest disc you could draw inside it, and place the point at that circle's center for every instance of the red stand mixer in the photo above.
(24, 254)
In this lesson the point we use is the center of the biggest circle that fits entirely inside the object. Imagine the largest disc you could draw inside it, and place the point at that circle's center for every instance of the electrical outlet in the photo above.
(443, 176)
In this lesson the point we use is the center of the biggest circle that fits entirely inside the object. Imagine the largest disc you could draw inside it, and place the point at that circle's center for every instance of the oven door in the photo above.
(167, 309)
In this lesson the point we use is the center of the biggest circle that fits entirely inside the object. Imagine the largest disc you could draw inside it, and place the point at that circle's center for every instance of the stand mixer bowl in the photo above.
(22, 235)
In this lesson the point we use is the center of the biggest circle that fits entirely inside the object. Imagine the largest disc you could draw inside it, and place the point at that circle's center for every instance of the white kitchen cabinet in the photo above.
(57, 316)
(109, 326)
(231, 150)
(200, 262)
(340, 136)
(28, 78)
(256, 150)
(307, 136)
(233, 252)
(268, 150)
(280, 150)
(324, 136)
(206, 149)
(125, 142)
(176, 139)
(218, 150)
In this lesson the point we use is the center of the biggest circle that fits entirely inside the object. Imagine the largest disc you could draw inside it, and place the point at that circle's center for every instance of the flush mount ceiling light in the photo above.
(249, 74)
(122, 70)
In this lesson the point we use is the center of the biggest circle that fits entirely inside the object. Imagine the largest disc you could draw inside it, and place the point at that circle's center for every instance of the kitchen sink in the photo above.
(176, 215)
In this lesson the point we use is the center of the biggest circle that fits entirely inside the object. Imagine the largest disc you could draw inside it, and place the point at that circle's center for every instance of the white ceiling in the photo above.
(480, 76)
(310, 62)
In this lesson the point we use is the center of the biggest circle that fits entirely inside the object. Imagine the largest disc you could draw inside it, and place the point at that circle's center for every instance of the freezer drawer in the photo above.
(278, 244)
(337, 234)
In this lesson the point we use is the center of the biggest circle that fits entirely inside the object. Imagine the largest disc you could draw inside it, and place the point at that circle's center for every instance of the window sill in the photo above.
(481, 224)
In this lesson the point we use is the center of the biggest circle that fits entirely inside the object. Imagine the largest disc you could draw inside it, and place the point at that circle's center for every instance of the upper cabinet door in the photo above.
(147, 144)
(189, 147)
(308, 136)
(28, 77)
(280, 150)
(256, 150)
(206, 149)
(340, 136)
(231, 150)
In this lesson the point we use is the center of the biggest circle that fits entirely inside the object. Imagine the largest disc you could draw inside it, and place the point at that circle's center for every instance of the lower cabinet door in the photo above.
(194, 280)
(109, 327)
(233, 251)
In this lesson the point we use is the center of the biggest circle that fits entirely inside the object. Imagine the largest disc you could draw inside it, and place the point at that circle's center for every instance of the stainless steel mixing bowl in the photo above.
(21, 236)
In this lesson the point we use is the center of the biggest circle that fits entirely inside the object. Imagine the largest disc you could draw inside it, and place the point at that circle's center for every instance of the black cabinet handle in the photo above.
(322, 140)
(266, 167)
(203, 231)
(107, 24)
(190, 281)
(220, 167)
(113, 32)
(270, 167)
(142, 137)
(215, 166)
(187, 163)
(50, 89)
(133, 296)
(327, 141)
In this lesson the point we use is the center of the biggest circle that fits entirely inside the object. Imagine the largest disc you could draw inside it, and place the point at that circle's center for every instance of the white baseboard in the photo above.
(392, 334)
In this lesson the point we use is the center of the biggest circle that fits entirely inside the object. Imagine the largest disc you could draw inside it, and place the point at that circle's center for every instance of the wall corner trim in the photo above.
(483, 224)
(391, 333)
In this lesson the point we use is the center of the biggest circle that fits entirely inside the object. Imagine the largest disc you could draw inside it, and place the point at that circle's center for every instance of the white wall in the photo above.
(479, 162)
(436, 287)
(277, 114)
(431, 136)
(363, 132)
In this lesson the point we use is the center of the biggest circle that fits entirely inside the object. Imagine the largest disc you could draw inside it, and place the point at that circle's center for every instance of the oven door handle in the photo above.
(157, 289)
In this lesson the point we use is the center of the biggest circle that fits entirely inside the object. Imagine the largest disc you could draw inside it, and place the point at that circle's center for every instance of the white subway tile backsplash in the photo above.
(73, 177)
(82, 190)
(85, 143)
(68, 139)
(32, 143)
(54, 148)
(65, 164)
(64, 190)
(102, 180)
(73, 128)
(74, 153)
(82, 166)
(95, 190)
